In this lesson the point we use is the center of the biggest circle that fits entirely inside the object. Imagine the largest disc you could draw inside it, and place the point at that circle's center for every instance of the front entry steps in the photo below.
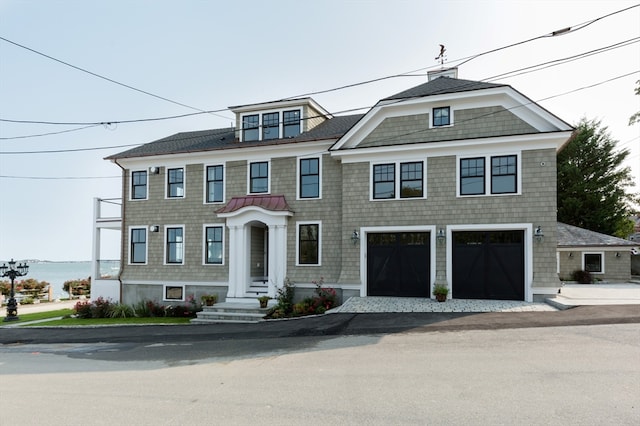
(234, 312)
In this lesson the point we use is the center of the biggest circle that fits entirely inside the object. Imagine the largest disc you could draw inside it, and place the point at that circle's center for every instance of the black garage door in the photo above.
(488, 265)
(398, 264)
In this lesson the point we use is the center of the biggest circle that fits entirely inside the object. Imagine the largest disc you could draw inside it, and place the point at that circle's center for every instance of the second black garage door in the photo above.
(398, 264)
(488, 265)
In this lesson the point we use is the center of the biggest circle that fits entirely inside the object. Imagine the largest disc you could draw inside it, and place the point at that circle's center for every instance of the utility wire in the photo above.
(214, 112)
(556, 33)
(395, 137)
(50, 133)
(106, 78)
(509, 74)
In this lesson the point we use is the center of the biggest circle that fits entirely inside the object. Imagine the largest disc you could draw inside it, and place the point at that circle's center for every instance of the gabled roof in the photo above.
(214, 139)
(443, 85)
(572, 236)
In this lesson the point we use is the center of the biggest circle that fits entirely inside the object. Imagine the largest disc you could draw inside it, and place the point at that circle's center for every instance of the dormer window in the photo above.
(250, 127)
(291, 123)
(441, 117)
(270, 126)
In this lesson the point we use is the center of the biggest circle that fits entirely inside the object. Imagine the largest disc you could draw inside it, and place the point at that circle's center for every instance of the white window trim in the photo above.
(487, 174)
(224, 183)
(309, 222)
(451, 114)
(269, 173)
(184, 183)
(298, 188)
(396, 182)
(164, 293)
(146, 245)
(131, 185)
(165, 242)
(204, 243)
(602, 262)
(260, 113)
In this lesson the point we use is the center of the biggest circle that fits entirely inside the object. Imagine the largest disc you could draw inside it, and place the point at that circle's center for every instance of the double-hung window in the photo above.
(502, 177)
(270, 126)
(472, 176)
(308, 244)
(309, 182)
(175, 183)
(398, 180)
(139, 185)
(411, 178)
(250, 127)
(291, 123)
(384, 185)
(138, 246)
(259, 177)
(504, 174)
(214, 245)
(592, 262)
(215, 184)
(441, 116)
(175, 245)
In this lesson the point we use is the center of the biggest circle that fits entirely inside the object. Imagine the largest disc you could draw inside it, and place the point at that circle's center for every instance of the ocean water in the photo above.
(56, 273)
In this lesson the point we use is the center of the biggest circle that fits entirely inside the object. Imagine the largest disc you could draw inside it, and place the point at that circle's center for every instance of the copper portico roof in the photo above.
(268, 202)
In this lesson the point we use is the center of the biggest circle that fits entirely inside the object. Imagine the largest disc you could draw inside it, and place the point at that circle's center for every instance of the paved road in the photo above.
(327, 325)
(568, 375)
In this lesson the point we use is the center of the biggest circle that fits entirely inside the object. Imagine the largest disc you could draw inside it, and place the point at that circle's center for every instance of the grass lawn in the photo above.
(43, 315)
(112, 321)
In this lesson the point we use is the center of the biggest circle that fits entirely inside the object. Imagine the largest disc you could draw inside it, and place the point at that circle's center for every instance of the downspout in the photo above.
(122, 227)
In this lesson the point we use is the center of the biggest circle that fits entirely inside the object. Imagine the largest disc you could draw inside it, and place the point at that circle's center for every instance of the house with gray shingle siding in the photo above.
(605, 257)
(452, 181)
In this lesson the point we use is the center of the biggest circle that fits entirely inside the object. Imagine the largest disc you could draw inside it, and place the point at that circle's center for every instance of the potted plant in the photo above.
(263, 301)
(209, 299)
(440, 291)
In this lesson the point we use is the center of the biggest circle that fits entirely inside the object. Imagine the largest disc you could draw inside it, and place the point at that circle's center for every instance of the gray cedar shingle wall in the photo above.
(536, 205)
(468, 123)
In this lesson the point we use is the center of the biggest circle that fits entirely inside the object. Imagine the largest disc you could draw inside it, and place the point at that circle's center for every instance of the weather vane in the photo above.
(441, 56)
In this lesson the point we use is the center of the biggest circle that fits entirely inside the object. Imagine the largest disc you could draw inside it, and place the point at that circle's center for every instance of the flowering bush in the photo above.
(83, 309)
(325, 298)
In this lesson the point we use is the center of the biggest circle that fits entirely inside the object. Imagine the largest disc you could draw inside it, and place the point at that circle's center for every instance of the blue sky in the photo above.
(212, 54)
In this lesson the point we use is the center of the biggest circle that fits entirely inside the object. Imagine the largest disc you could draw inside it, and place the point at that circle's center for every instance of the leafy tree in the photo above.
(592, 183)
(635, 118)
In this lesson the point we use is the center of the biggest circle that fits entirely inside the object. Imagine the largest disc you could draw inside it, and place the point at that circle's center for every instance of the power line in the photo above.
(395, 137)
(58, 151)
(59, 178)
(105, 78)
(556, 33)
(50, 133)
(562, 61)
(214, 112)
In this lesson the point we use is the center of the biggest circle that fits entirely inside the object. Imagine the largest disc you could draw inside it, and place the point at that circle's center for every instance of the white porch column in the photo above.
(277, 257)
(237, 261)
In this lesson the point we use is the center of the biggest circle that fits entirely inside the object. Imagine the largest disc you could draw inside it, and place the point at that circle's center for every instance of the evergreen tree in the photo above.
(592, 183)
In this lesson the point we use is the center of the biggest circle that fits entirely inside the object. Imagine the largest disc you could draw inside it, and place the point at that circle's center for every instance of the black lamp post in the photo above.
(11, 272)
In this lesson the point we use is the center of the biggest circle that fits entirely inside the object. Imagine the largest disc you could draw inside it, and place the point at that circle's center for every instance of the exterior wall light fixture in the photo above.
(539, 234)
(355, 237)
(441, 237)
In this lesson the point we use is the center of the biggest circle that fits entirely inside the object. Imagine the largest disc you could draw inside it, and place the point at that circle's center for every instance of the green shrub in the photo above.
(27, 301)
(284, 301)
(100, 308)
(120, 310)
(82, 309)
(582, 277)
